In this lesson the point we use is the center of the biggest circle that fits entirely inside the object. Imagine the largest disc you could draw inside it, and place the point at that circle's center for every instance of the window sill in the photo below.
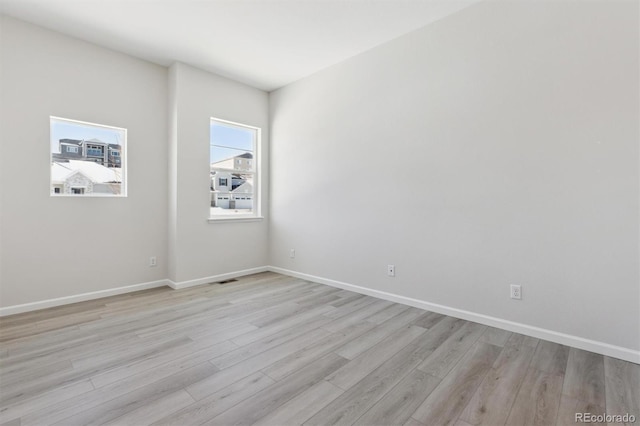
(235, 219)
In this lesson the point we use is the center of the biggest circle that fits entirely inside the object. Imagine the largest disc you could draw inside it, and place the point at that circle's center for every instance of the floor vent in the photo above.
(232, 280)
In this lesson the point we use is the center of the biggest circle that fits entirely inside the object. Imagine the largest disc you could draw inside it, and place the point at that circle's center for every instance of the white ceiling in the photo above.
(263, 43)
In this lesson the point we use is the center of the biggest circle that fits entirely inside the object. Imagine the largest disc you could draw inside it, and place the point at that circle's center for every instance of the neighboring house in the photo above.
(107, 154)
(70, 149)
(114, 156)
(243, 162)
(243, 196)
(221, 186)
(230, 188)
(222, 181)
(84, 177)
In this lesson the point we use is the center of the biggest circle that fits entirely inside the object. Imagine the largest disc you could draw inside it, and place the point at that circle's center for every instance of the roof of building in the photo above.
(97, 173)
(94, 140)
(230, 160)
(71, 141)
(245, 188)
(58, 173)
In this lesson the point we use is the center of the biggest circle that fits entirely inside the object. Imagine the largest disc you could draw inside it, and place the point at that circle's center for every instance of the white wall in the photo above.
(203, 249)
(167, 115)
(514, 131)
(107, 241)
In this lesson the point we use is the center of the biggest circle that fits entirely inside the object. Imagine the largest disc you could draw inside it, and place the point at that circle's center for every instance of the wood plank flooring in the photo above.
(275, 350)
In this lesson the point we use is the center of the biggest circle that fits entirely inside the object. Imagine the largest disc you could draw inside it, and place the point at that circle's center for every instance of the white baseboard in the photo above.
(540, 333)
(215, 278)
(50, 303)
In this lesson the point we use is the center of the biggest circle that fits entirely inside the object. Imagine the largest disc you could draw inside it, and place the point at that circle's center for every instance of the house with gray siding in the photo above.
(103, 153)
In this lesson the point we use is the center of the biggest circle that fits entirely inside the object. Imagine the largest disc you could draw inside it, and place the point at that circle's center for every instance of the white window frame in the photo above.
(256, 215)
(123, 161)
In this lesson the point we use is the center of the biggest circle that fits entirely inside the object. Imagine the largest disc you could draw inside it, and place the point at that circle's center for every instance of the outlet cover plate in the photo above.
(391, 270)
(516, 292)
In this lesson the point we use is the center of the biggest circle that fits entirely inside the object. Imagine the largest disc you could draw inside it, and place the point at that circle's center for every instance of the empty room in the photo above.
(319, 212)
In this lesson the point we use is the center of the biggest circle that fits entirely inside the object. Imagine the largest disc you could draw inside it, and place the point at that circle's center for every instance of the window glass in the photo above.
(233, 165)
(87, 159)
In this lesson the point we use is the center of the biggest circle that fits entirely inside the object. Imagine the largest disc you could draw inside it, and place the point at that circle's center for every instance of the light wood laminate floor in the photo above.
(275, 350)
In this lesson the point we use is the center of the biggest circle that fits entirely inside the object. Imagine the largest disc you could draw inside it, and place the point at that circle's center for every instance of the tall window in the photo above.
(233, 180)
(87, 159)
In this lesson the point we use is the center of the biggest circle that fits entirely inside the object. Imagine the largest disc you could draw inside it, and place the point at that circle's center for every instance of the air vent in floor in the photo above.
(232, 280)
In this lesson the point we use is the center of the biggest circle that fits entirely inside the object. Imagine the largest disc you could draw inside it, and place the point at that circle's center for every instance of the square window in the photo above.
(87, 159)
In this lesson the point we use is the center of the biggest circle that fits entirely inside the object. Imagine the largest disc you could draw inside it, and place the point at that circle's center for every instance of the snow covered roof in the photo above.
(97, 173)
(245, 188)
(224, 163)
(58, 173)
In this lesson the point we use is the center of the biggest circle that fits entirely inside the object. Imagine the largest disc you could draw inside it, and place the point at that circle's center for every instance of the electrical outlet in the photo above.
(292, 253)
(516, 291)
(391, 270)
(153, 261)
